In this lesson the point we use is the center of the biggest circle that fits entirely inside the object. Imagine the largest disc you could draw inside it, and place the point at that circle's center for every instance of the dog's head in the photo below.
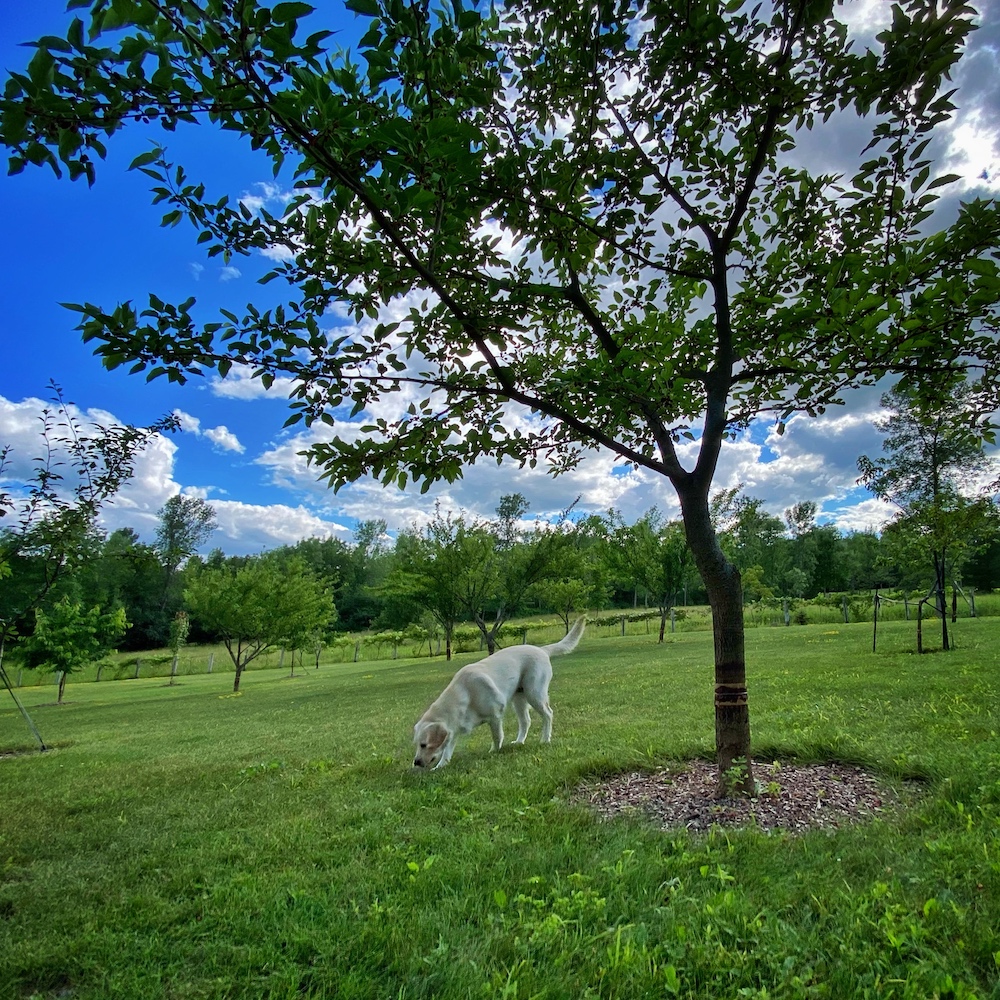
(429, 740)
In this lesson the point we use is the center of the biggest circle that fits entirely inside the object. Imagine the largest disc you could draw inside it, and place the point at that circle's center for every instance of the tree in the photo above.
(180, 627)
(933, 472)
(128, 572)
(54, 507)
(432, 567)
(263, 604)
(505, 562)
(185, 523)
(69, 637)
(656, 556)
(753, 538)
(594, 213)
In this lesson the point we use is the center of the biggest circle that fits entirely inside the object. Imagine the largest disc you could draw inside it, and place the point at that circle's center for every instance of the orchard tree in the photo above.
(432, 568)
(654, 554)
(590, 222)
(261, 605)
(69, 637)
(51, 506)
(935, 472)
(505, 561)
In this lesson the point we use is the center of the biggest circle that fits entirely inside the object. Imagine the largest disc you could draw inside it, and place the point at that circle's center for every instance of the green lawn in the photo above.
(182, 842)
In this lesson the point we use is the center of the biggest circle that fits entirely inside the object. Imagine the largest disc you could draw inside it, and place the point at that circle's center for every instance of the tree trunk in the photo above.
(941, 603)
(725, 595)
(62, 686)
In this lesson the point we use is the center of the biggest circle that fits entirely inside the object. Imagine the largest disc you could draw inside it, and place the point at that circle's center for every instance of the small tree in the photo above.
(505, 561)
(259, 606)
(433, 567)
(655, 555)
(565, 596)
(54, 508)
(69, 637)
(180, 626)
(932, 473)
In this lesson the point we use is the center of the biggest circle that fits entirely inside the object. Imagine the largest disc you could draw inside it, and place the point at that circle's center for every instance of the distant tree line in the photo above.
(458, 568)
(71, 591)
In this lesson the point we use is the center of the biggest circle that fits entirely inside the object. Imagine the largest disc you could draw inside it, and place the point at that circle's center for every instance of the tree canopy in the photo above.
(265, 603)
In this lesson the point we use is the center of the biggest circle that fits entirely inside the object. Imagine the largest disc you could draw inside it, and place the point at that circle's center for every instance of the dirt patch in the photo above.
(790, 797)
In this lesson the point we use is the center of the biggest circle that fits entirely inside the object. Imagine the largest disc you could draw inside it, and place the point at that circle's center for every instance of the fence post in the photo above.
(173, 670)
(920, 626)
(211, 661)
(673, 620)
(623, 625)
(788, 614)
(844, 605)
(357, 650)
(281, 658)
(972, 603)
(135, 676)
(524, 636)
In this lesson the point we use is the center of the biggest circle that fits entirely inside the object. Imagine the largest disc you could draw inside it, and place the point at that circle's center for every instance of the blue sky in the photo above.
(65, 242)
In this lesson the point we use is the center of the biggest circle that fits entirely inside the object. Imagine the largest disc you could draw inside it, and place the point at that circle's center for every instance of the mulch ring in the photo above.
(790, 797)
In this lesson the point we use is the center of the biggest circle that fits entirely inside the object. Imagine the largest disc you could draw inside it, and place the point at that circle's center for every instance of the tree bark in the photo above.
(725, 595)
(941, 604)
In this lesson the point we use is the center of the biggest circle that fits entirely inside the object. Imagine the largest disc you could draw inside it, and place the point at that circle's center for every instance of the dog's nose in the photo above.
(418, 763)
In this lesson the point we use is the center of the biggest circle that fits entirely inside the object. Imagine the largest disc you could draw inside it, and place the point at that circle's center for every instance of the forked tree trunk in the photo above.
(725, 595)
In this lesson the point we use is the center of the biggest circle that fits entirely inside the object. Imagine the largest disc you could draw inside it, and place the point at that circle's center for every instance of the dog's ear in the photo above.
(435, 735)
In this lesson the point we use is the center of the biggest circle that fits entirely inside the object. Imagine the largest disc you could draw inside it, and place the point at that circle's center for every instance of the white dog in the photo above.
(481, 691)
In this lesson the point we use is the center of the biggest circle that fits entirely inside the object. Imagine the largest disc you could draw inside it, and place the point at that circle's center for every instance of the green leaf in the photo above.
(285, 12)
(367, 7)
(942, 180)
(151, 156)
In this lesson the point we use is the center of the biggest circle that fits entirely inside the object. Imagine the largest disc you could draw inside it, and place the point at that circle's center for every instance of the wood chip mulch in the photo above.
(790, 797)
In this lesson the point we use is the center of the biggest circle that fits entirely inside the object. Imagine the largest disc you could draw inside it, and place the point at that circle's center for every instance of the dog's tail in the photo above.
(568, 644)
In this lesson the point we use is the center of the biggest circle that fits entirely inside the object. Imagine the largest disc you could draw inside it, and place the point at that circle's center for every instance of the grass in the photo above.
(182, 842)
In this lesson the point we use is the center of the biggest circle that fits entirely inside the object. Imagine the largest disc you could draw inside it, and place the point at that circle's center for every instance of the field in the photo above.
(182, 842)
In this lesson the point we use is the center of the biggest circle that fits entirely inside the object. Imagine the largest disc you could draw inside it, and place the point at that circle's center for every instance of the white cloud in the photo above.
(224, 439)
(249, 528)
(867, 515)
(229, 273)
(240, 383)
(188, 422)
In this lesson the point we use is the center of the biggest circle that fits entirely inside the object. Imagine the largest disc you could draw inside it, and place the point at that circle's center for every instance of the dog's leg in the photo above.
(546, 711)
(496, 727)
(449, 748)
(523, 714)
